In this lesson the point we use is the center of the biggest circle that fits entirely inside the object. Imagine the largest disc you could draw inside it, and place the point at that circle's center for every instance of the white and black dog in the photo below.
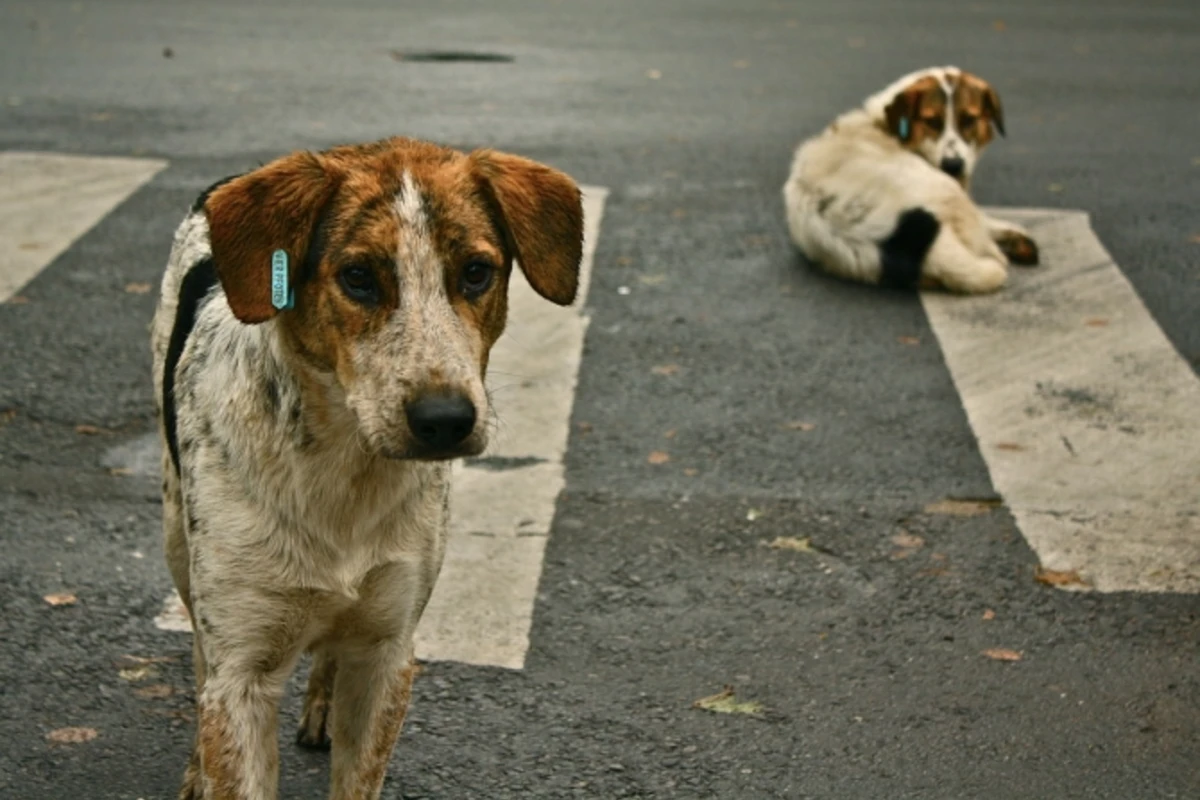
(882, 195)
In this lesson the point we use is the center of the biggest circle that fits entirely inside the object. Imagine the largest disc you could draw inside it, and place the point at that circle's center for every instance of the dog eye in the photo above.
(476, 277)
(966, 120)
(359, 284)
(935, 123)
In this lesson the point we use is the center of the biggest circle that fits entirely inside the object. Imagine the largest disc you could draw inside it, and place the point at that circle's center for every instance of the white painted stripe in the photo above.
(482, 606)
(1087, 417)
(48, 201)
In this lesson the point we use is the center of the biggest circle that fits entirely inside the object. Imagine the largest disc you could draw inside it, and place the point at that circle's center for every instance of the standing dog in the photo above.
(319, 355)
(882, 194)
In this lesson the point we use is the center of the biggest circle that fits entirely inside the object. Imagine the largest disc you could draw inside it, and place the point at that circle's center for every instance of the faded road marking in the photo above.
(1087, 417)
(47, 201)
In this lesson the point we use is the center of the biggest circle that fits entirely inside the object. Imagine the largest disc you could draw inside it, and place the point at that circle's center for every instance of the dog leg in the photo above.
(314, 723)
(371, 694)
(1014, 241)
(953, 266)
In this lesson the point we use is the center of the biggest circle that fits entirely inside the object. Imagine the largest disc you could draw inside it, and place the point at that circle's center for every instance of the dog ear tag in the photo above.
(903, 129)
(282, 296)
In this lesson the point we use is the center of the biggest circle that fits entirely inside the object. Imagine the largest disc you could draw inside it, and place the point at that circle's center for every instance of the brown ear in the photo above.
(992, 108)
(901, 113)
(273, 208)
(543, 217)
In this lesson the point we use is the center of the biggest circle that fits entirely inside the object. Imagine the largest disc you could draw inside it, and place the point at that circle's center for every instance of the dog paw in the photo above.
(1019, 248)
(312, 732)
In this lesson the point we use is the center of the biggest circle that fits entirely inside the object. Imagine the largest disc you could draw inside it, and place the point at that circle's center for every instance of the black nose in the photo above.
(441, 421)
(953, 167)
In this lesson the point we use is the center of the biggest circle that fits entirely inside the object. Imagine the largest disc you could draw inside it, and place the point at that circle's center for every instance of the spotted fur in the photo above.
(301, 509)
(856, 189)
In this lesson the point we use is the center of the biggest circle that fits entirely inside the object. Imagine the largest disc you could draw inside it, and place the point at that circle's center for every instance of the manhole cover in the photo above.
(451, 56)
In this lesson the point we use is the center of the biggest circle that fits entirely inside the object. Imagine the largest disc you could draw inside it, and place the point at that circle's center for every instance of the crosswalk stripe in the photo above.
(1086, 415)
(47, 201)
(502, 505)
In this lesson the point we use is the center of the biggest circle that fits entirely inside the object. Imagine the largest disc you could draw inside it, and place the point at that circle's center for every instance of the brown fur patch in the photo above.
(976, 109)
(922, 107)
(220, 760)
(387, 729)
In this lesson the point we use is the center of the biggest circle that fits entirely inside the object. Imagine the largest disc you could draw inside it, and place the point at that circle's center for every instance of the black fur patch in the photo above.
(196, 284)
(903, 252)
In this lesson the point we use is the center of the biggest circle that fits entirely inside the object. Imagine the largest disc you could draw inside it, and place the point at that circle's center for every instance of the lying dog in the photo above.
(320, 347)
(881, 195)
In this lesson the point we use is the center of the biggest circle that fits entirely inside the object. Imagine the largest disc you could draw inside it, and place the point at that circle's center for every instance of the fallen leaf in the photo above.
(988, 615)
(653, 74)
(799, 544)
(1054, 577)
(665, 369)
(933, 572)
(658, 457)
(725, 702)
(88, 430)
(798, 425)
(1095, 322)
(135, 674)
(119, 472)
(1002, 654)
(155, 691)
(907, 540)
(137, 288)
(126, 661)
(584, 427)
(753, 514)
(908, 340)
(71, 735)
(691, 472)
(669, 434)
(61, 599)
(1055, 188)
(1009, 446)
(937, 556)
(998, 26)
(962, 508)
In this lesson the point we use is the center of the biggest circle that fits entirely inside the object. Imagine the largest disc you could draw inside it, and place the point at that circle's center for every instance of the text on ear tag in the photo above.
(282, 296)
(903, 129)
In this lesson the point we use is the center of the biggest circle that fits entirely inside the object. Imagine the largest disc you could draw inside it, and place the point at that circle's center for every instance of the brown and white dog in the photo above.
(320, 347)
(882, 194)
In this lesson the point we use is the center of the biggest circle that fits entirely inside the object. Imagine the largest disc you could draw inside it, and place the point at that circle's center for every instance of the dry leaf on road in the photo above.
(797, 425)
(908, 340)
(658, 457)
(725, 702)
(61, 599)
(799, 544)
(962, 508)
(137, 288)
(155, 691)
(1054, 577)
(1002, 654)
(665, 369)
(988, 615)
(88, 430)
(71, 735)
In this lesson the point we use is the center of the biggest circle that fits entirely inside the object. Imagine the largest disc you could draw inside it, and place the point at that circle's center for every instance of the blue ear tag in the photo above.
(903, 129)
(282, 296)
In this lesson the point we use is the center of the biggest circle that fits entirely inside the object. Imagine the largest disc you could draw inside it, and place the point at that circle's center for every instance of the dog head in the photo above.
(399, 255)
(943, 114)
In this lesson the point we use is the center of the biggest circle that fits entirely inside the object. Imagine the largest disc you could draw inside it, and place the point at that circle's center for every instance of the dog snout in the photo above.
(441, 422)
(953, 166)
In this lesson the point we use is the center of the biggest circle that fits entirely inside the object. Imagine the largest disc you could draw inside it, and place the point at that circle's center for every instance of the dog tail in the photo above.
(903, 252)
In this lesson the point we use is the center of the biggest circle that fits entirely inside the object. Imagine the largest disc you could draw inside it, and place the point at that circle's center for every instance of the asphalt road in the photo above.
(657, 589)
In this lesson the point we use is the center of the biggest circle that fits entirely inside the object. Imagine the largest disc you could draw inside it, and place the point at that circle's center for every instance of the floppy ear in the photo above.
(542, 215)
(992, 108)
(902, 111)
(273, 208)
